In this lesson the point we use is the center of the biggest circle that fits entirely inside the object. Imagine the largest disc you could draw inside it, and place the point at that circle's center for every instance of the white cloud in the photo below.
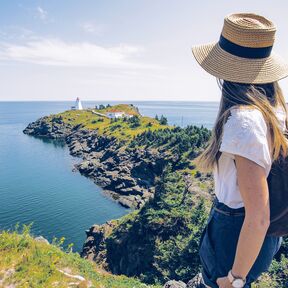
(41, 13)
(91, 27)
(56, 52)
(15, 33)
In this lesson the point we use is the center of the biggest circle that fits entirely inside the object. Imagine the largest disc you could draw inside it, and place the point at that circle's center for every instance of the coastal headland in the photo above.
(121, 154)
(143, 163)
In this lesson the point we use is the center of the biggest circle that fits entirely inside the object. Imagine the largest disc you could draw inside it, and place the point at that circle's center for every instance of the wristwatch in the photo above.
(237, 282)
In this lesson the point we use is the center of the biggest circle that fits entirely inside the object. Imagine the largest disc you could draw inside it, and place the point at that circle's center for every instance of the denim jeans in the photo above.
(218, 245)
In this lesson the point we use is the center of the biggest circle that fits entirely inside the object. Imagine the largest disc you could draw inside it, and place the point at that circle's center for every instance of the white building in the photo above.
(78, 105)
(117, 114)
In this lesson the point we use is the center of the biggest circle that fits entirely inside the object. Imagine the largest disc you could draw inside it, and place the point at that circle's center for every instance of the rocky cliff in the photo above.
(126, 174)
(125, 170)
(169, 224)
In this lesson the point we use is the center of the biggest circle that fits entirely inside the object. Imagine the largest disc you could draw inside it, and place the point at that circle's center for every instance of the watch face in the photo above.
(238, 283)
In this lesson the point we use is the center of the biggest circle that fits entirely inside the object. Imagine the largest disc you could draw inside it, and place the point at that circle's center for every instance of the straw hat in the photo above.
(244, 52)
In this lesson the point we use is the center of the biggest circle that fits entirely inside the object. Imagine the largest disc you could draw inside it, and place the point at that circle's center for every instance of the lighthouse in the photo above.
(78, 105)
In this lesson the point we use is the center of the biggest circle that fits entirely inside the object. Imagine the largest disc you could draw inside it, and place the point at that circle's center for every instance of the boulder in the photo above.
(41, 239)
(94, 246)
(174, 284)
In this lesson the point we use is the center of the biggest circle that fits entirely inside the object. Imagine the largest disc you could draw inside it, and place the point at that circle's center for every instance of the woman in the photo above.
(248, 135)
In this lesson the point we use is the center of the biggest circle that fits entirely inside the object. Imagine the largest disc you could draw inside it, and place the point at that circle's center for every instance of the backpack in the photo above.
(278, 197)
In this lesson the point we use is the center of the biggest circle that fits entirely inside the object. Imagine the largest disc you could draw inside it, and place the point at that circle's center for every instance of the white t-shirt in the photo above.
(245, 133)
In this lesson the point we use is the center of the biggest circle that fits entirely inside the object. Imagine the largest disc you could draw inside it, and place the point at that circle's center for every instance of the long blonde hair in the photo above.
(261, 96)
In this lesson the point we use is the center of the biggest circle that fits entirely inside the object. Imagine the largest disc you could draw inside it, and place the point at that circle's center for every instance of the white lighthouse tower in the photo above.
(78, 105)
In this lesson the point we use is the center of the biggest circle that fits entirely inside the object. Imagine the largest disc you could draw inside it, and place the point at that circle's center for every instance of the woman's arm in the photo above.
(253, 187)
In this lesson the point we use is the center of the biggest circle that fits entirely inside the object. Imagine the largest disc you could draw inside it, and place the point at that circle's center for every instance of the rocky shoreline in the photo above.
(126, 175)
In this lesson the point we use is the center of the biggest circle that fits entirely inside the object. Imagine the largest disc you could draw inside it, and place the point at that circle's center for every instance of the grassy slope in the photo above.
(120, 129)
(36, 264)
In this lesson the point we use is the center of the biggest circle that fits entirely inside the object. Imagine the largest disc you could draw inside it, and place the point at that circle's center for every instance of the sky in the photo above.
(117, 49)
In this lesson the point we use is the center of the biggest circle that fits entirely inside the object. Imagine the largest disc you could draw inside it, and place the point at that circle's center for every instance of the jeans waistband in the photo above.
(224, 209)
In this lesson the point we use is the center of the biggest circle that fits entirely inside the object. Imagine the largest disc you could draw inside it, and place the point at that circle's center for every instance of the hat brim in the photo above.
(226, 66)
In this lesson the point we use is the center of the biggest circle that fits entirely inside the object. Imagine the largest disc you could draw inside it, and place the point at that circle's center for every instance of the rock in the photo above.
(94, 247)
(6, 274)
(41, 239)
(110, 163)
(127, 201)
(76, 149)
(174, 284)
(54, 129)
(68, 274)
(123, 181)
(130, 190)
(196, 282)
(103, 181)
(112, 174)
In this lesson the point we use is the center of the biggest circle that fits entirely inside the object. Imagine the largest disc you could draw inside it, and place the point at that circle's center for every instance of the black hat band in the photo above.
(244, 52)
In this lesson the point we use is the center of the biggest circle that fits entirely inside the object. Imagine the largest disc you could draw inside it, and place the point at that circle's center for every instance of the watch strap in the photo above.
(232, 278)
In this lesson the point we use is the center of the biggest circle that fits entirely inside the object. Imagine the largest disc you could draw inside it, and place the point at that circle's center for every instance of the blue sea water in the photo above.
(37, 183)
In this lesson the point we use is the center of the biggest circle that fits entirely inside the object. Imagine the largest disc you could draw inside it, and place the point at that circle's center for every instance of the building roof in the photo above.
(115, 111)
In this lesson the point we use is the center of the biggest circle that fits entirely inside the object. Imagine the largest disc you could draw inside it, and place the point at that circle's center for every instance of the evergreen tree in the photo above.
(163, 120)
(134, 121)
(163, 236)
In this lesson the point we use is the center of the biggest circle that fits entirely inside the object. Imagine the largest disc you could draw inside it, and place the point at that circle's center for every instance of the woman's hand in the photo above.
(223, 282)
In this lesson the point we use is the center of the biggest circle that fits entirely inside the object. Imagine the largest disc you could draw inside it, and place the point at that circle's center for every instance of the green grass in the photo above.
(36, 264)
(120, 129)
(121, 107)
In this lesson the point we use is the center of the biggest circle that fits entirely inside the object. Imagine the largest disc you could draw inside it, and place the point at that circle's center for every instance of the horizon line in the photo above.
(108, 100)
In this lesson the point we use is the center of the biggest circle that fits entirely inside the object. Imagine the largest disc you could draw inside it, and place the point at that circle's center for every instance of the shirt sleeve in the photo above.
(245, 134)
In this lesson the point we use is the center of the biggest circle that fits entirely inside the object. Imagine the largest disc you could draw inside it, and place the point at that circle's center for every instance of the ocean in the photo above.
(37, 183)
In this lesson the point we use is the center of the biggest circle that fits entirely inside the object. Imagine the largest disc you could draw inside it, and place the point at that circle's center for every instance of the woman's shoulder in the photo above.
(246, 118)
(246, 112)
(245, 134)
